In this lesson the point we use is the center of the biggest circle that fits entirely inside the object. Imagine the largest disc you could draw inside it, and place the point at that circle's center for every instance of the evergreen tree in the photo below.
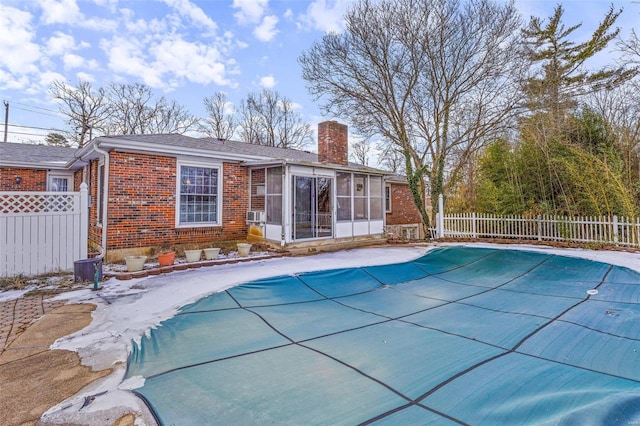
(559, 77)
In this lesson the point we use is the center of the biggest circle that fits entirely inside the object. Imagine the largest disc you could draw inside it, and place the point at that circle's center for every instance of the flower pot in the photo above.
(243, 249)
(193, 255)
(135, 263)
(166, 259)
(211, 253)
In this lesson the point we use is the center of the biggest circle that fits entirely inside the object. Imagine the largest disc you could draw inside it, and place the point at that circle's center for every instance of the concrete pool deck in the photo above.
(41, 375)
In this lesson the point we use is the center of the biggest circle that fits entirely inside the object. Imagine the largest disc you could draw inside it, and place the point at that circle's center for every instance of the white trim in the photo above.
(203, 164)
(390, 198)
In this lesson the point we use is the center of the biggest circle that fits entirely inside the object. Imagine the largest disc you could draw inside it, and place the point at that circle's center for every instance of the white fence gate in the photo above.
(619, 231)
(42, 232)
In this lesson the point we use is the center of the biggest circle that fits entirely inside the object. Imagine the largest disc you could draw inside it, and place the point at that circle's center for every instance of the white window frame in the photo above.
(387, 191)
(207, 165)
(100, 201)
(59, 175)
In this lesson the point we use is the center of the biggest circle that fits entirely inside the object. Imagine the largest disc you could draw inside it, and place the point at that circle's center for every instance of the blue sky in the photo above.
(186, 49)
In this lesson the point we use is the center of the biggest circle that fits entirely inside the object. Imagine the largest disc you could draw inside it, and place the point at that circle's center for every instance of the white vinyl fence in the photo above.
(42, 232)
(620, 231)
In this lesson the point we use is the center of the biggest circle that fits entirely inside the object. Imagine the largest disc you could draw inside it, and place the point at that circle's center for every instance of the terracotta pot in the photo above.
(135, 263)
(166, 259)
(211, 253)
(193, 255)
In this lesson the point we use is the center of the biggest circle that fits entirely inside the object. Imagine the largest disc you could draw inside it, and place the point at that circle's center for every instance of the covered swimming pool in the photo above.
(461, 335)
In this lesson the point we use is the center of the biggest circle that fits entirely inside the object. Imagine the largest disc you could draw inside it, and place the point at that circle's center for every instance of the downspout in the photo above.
(105, 199)
(283, 236)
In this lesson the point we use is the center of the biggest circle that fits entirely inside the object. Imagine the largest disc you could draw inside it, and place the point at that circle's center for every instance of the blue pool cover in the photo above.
(459, 336)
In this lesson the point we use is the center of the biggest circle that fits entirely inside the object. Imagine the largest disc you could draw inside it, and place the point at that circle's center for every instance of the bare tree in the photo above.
(292, 132)
(249, 121)
(267, 118)
(220, 123)
(85, 108)
(171, 117)
(391, 158)
(360, 152)
(436, 78)
(134, 110)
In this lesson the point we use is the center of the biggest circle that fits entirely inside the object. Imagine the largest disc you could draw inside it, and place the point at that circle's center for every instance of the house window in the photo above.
(198, 195)
(57, 182)
(387, 198)
(343, 195)
(375, 197)
(360, 197)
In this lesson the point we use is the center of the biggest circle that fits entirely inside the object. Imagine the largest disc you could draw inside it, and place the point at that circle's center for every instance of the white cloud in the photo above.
(268, 81)
(266, 31)
(288, 14)
(67, 12)
(60, 43)
(195, 14)
(85, 77)
(60, 12)
(71, 60)
(325, 15)
(196, 62)
(20, 55)
(126, 56)
(251, 11)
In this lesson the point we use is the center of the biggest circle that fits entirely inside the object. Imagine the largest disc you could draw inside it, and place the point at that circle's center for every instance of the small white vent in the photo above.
(255, 216)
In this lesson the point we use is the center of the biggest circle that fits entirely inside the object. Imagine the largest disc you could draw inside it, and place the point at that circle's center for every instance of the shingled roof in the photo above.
(31, 155)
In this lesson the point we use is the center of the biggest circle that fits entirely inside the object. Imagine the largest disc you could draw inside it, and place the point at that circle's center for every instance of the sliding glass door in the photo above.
(312, 207)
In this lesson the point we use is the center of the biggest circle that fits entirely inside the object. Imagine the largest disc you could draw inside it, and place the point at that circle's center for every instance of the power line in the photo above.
(36, 107)
(34, 127)
(26, 134)
(38, 112)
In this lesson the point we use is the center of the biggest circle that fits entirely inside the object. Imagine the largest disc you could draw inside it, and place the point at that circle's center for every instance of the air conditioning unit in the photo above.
(255, 216)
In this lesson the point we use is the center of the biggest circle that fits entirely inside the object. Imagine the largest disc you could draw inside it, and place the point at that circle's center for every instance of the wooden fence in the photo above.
(620, 231)
(42, 232)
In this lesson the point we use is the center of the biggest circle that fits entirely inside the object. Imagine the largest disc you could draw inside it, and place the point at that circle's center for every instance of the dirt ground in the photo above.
(34, 378)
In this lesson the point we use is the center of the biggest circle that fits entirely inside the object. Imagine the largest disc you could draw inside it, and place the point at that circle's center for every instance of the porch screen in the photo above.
(274, 196)
(344, 195)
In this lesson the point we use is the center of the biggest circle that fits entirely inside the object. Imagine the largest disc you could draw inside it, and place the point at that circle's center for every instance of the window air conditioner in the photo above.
(255, 216)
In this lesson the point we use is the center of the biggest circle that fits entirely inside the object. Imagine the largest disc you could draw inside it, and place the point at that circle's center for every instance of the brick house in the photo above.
(153, 191)
(403, 220)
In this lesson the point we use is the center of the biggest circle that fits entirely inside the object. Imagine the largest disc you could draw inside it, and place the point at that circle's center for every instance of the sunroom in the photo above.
(293, 203)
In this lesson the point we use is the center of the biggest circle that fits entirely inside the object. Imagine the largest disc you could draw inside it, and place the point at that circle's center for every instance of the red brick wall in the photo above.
(257, 178)
(142, 202)
(32, 179)
(403, 209)
(77, 180)
(333, 143)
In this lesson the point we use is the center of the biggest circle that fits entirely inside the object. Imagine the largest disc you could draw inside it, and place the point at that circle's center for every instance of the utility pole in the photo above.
(6, 119)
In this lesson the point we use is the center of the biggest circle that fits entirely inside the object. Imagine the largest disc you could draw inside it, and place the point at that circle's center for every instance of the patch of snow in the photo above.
(8, 295)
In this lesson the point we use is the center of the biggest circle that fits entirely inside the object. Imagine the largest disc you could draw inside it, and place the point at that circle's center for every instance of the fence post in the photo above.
(84, 220)
(440, 216)
(615, 230)
(474, 232)
(539, 228)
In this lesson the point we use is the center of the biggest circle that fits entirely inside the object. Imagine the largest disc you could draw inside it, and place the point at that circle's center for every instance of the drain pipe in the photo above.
(105, 198)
